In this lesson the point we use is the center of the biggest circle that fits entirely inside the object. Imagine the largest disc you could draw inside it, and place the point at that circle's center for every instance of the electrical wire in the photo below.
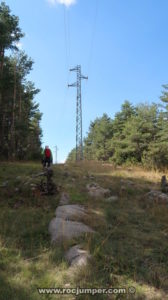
(93, 36)
(91, 46)
(67, 58)
(67, 39)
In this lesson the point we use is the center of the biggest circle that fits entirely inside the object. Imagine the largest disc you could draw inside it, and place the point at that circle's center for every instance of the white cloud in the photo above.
(64, 2)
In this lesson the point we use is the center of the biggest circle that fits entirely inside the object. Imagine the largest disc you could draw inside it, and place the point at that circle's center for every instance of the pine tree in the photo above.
(20, 132)
(97, 144)
(117, 141)
(157, 155)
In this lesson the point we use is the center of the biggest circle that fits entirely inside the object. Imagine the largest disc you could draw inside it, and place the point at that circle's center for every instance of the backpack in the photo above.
(47, 153)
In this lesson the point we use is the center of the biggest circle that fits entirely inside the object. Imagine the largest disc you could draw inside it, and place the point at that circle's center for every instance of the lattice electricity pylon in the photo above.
(79, 138)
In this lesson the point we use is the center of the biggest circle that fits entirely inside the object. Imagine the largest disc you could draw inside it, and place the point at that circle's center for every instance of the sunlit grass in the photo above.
(128, 249)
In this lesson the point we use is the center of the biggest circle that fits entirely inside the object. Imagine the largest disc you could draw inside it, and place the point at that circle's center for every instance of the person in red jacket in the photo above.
(47, 157)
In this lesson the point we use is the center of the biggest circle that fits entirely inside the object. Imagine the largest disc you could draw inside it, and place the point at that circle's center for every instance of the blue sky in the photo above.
(122, 46)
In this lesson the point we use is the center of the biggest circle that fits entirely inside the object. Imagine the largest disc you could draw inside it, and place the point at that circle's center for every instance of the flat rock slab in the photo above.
(70, 212)
(76, 256)
(61, 230)
(64, 199)
(157, 197)
(96, 191)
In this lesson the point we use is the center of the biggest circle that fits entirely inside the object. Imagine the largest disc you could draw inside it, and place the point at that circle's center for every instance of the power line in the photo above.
(68, 36)
(79, 138)
(66, 40)
(67, 60)
(67, 56)
(93, 35)
(92, 41)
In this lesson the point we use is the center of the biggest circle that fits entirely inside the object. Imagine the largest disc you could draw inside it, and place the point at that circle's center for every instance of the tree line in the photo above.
(136, 135)
(20, 132)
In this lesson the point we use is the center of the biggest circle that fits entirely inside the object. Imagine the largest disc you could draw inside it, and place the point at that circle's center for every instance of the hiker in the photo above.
(47, 160)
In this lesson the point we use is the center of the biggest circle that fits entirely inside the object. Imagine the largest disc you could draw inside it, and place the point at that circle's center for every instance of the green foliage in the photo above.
(72, 155)
(20, 132)
(136, 135)
(158, 149)
(10, 32)
(97, 143)
(139, 131)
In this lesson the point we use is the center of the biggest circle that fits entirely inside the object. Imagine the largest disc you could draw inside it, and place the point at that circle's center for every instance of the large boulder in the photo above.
(157, 197)
(61, 229)
(70, 212)
(77, 257)
(94, 190)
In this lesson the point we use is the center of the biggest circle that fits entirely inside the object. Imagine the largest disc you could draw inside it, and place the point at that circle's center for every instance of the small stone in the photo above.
(157, 197)
(76, 256)
(4, 184)
(96, 191)
(18, 204)
(127, 182)
(33, 185)
(27, 183)
(91, 185)
(66, 174)
(112, 199)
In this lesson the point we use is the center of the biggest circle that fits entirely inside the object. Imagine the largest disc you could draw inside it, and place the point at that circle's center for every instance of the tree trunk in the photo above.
(1, 106)
(3, 126)
(13, 116)
(2, 53)
(20, 105)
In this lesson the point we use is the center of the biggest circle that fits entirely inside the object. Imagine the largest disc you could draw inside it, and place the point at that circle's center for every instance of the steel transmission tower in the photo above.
(79, 139)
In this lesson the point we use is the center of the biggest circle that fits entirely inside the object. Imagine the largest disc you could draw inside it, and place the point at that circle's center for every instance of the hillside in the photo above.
(129, 247)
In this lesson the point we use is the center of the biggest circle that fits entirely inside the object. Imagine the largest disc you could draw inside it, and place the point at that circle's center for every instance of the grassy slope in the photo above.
(129, 248)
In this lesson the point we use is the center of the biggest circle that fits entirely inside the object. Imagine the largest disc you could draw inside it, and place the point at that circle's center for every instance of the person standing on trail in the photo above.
(47, 157)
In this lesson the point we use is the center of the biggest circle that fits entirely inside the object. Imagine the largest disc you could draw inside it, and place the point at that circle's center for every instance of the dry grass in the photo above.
(129, 248)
